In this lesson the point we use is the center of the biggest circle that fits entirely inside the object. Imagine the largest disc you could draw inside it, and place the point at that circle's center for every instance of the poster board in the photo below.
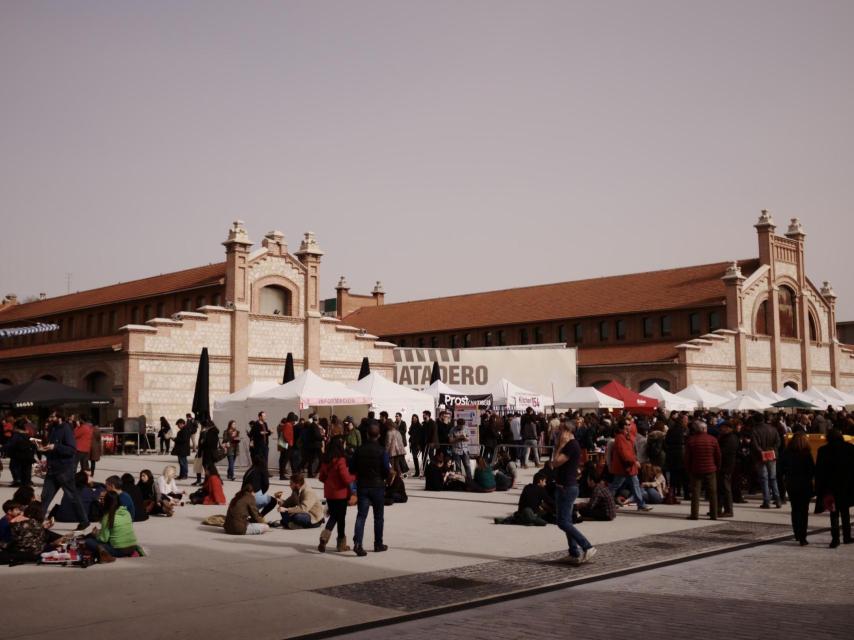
(471, 414)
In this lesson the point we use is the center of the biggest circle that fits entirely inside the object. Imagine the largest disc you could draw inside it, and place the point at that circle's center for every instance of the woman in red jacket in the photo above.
(336, 479)
(213, 487)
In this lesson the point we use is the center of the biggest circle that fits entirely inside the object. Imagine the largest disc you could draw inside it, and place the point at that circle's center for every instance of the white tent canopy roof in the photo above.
(704, 399)
(587, 398)
(847, 399)
(744, 403)
(386, 395)
(767, 396)
(253, 388)
(505, 393)
(670, 401)
(310, 390)
(822, 399)
(791, 392)
(440, 387)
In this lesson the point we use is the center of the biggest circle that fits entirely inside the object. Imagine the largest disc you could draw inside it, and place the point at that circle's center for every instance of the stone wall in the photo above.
(275, 336)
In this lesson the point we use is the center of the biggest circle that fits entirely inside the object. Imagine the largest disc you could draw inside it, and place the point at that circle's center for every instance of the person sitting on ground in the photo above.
(11, 511)
(115, 537)
(395, 489)
(259, 477)
(114, 484)
(532, 504)
(152, 502)
(440, 475)
(89, 494)
(484, 478)
(303, 509)
(601, 505)
(505, 471)
(653, 484)
(31, 535)
(242, 517)
(167, 488)
(24, 496)
(212, 488)
(129, 488)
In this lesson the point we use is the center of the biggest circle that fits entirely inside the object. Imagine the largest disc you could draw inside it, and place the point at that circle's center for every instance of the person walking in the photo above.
(284, 443)
(416, 442)
(163, 435)
(766, 441)
(336, 479)
(566, 492)
(529, 440)
(231, 442)
(834, 479)
(674, 454)
(181, 449)
(728, 443)
(61, 454)
(623, 464)
(799, 470)
(702, 461)
(370, 466)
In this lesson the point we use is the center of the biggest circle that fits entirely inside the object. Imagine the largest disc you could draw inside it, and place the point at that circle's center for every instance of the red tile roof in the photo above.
(166, 283)
(627, 354)
(103, 343)
(685, 287)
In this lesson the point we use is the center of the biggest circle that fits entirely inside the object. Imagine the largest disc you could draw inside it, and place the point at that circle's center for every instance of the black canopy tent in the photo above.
(365, 370)
(201, 397)
(45, 394)
(289, 369)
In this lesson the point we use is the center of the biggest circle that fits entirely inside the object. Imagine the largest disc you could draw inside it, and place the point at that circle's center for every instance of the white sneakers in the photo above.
(586, 556)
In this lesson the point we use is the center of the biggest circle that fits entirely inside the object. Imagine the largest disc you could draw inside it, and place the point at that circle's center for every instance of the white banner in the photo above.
(539, 370)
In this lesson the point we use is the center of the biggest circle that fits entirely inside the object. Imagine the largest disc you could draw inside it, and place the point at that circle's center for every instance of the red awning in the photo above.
(634, 402)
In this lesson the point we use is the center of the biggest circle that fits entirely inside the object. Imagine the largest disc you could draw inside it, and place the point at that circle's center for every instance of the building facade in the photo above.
(757, 323)
(139, 342)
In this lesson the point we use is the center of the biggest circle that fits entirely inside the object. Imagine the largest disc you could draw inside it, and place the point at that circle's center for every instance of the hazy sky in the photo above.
(441, 147)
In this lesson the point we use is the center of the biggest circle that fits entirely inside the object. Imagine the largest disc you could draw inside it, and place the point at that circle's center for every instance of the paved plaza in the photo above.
(445, 551)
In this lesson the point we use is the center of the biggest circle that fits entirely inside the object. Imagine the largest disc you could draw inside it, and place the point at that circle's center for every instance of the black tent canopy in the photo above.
(47, 393)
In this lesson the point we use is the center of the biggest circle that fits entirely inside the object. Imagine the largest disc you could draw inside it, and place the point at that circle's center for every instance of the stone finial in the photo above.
(378, 288)
(309, 245)
(733, 273)
(274, 242)
(9, 300)
(343, 284)
(42, 296)
(827, 291)
(796, 230)
(237, 234)
(765, 220)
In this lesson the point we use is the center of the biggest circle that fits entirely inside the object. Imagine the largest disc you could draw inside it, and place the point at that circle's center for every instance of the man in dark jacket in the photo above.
(834, 480)
(702, 461)
(766, 442)
(181, 448)
(431, 437)
(60, 452)
(728, 443)
(416, 444)
(370, 465)
(21, 454)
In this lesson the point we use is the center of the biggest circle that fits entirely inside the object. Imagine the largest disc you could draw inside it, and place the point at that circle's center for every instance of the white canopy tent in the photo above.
(506, 394)
(440, 387)
(744, 403)
(235, 407)
(385, 395)
(847, 399)
(791, 392)
(667, 400)
(768, 396)
(822, 399)
(587, 398)
(704, 399)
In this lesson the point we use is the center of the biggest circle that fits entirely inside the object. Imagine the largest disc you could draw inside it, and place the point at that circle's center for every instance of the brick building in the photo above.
(139, 341)
(756, 323)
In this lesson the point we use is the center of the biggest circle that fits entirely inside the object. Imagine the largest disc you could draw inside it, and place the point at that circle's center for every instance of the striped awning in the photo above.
(41, 327)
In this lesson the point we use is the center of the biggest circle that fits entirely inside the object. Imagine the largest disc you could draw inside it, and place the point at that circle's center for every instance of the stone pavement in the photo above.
(771, 591)
(198, 582)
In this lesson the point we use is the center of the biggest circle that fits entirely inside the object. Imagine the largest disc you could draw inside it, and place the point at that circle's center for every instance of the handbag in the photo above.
(220, 454)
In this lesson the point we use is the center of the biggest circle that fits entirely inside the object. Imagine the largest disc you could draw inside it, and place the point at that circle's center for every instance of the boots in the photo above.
(325, 534)
(342, 544)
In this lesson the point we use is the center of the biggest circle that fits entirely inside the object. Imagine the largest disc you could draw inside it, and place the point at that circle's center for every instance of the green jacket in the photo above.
(121, 535)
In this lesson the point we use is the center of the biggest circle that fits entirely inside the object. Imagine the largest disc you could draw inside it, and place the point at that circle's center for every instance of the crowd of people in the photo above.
(611, 461)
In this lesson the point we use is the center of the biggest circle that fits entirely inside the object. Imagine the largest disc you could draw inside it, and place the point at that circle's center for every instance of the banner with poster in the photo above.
(471, 414)
(452, 400)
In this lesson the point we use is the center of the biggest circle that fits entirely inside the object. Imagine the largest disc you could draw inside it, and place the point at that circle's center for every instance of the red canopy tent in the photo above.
(634, 402)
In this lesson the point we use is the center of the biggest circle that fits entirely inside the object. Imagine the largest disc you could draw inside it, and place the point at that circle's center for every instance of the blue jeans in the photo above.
(652, 496)
(370, 497)
(462, 460)
(64, 479)
(768, 476)
(262, 499)
(635, 487)
(564, 499)
(230, 457)
(95, 546)
(182, 466)
(302, 520)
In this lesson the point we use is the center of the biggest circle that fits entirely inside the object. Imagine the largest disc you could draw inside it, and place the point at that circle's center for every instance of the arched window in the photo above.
(786, 302)
(813, 328)
(763, 321)
(275, 301)
(792, 384)
(98, 382)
